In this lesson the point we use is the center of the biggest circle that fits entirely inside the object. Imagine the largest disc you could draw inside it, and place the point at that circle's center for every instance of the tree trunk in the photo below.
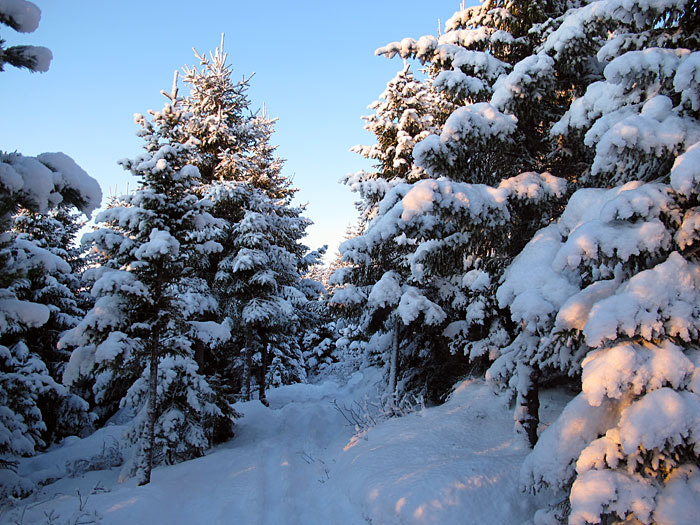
(199, 355)
(394, 363)
(247, 363)
(263, 375)
(247, 359)
(527, 412)
(151, 413)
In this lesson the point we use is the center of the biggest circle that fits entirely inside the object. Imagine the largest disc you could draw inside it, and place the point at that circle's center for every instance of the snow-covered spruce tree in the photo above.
(258, 273)
(59, 288)
(611, 291)
(29, 396)
(233, 142)
(34, 408)
(407, 111)
(138, 339)
(260, 282)
(485, 156)
(24, 17)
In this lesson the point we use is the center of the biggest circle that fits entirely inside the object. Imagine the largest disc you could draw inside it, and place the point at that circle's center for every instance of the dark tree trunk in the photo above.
(394, 362)
(199, 355)
(151, 413)
(528, 409)
(246, 373)
(262, 375)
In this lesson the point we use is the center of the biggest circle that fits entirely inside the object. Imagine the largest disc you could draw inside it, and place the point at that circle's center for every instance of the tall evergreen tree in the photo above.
(452, 237)
(611, 289)
(150, 303)
(29, 395)
(56, 285)
(407, 112)
(257, 274)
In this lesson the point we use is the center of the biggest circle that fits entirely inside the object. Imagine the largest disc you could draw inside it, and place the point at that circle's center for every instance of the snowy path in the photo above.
(296, 463)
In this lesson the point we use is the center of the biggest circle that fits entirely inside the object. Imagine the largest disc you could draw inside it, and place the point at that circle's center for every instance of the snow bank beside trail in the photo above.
(456, 463)
(299, 462)
(75, 456)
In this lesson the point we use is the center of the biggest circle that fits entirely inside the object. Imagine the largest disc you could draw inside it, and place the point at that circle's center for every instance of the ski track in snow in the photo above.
(297, 462)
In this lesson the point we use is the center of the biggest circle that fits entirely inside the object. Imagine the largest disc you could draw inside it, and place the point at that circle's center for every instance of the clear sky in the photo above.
(314, 68)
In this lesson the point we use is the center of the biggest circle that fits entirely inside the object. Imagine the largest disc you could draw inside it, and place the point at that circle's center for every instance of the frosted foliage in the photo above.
(14, 312)
(267, 311)
(545, 290)
(659, 302)
(637, 201)
(597, 239)
(574, 313)
(459, 19)
(534, 187)
(160, 243)
(607, 228)
(40, 183)
(601, 98)
(685, 174)
(30, 177)
(601, 453)
(385, 292)
(650, 425)
(211, 332)
(368, 186)
(21, 15)
(630, 367)
(679, 500)
(31, 256)
(689, 231)
(655, 65)
(416, 207)
(483, 65)
(634, 79)
(476, 280)
(118, 282)
(600, 492)
(458, 84)
(687, 81)
(587, 204)
(68, 176)
(526, 81)
(81, 363)
(413, 303)
(655, 132)
(662, 417)
(479, 123)
(422, 49)
(531, 287)
(448, 52)
(467, 37)
(40, 57)
(403, 115)
(186, 405)
(348, 295)
(552, 461)
(579, 23)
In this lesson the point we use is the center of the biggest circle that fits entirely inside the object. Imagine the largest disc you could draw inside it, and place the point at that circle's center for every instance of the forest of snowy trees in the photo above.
(532, 218)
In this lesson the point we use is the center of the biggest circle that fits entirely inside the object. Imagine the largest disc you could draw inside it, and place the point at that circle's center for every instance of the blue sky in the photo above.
(314, 68)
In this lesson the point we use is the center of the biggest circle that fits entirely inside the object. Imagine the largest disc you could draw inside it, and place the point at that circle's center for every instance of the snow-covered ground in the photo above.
(299, 462)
